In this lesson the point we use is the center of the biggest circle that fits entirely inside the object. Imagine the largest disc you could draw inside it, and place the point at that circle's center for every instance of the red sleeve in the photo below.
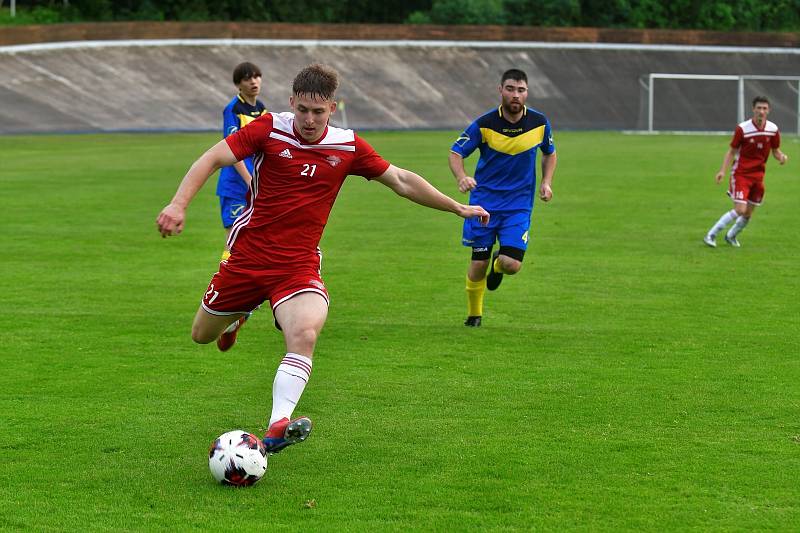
(251, 138)
(367, 162)
(738, 136)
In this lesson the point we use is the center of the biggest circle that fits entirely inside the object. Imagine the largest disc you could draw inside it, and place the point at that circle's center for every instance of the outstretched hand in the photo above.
(170, 220)
(474, 211)
(719, 176)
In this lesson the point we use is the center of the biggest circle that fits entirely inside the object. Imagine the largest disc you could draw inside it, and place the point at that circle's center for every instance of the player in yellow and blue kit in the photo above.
(234, 181)
(505, 180)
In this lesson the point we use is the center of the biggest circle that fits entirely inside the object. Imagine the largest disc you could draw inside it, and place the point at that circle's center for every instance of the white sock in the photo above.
(290, 380)
(724, 220)
(741, 222)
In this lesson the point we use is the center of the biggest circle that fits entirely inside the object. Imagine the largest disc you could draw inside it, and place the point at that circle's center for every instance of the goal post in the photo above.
(718, 99)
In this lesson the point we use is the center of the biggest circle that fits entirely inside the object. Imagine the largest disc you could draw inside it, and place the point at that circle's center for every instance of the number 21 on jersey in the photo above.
(308, 170)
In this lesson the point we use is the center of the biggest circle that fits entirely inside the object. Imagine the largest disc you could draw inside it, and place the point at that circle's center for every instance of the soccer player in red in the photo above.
(300, 163)
(753, 140)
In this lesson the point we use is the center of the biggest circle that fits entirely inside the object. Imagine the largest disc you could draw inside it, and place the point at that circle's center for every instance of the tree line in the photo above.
(721, 15)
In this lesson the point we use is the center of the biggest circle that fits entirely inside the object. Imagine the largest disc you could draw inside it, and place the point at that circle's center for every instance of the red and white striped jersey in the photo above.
(754, 146)
(295, 184)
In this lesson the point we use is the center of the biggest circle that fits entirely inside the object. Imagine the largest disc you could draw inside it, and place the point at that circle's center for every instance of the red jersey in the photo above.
(754, 146)
(295, 184)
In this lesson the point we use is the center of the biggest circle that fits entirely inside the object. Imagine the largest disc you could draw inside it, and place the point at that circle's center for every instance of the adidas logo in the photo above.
(286, 153)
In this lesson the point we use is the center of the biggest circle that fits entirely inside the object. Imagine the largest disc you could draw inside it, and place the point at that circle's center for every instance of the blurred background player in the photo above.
(752, 142)
(234, 181)
(301, 165)
(505, 178)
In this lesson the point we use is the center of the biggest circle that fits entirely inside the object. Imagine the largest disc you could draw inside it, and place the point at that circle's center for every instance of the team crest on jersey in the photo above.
(462, 139)
(232, 129)
(333, 160)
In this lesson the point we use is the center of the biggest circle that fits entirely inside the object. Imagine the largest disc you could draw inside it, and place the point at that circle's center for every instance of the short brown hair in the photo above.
(244, 71)
(761, 100)
(316, 80)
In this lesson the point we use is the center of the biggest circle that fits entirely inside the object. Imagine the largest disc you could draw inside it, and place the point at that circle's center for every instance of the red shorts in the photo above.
(746, 190)
(236, 290)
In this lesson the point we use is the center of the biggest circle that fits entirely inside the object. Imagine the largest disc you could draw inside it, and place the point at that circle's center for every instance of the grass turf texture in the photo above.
(628, 378)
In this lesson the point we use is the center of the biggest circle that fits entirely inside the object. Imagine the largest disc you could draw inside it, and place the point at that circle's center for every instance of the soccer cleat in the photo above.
(228, 338)
(493, 278)
(710, 241)
(732, 241)
(284, 433)
(473, 321)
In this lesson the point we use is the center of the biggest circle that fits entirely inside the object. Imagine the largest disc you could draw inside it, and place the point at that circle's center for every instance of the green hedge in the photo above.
(725, 15)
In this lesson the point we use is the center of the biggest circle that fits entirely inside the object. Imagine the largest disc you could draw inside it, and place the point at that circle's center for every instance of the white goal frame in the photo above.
(653, 76)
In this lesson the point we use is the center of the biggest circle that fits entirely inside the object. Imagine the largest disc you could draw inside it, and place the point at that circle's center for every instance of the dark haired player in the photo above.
(505, 180)
(752, 142)
(234, 181)
(300, 163)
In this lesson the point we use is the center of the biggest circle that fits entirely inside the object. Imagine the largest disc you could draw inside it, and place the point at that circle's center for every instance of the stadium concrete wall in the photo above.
(183, 84)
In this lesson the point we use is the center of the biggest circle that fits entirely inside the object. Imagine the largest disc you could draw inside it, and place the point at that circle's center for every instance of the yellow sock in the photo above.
(225, 255)
(475, 290)
(496, 266)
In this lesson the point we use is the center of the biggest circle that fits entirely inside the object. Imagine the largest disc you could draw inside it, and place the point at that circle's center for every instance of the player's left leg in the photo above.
(741, 222)
(513, 238)
(208, 327)
(301, 317)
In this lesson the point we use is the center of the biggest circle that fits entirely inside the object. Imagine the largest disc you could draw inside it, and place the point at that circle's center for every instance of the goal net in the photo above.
(716, 103)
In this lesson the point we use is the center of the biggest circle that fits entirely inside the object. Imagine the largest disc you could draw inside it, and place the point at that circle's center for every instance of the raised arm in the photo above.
(726, 163)
(414, 187)
(170, 220)
(548, 169)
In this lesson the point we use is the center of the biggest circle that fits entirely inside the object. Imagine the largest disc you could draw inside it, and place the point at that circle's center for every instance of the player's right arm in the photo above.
(230, 125)
(726, 163)
(467, 142)
(465, 182)
(241, 168)
(171, 219)
(733, 148)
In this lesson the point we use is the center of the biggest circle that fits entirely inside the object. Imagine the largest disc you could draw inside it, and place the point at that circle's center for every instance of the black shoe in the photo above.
(493, 278)
(473, 321)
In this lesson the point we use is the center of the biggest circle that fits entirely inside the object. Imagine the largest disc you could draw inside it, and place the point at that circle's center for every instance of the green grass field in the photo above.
(629, 378)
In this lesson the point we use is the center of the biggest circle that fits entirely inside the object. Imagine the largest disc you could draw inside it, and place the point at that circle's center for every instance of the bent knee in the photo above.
(511, 266)
(303, 339)
(201, 337)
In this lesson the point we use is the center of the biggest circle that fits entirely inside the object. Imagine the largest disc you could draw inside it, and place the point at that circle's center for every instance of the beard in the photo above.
(512, 107)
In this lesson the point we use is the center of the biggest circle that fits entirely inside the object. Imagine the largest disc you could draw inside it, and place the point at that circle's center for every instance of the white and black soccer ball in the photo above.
(237, 458)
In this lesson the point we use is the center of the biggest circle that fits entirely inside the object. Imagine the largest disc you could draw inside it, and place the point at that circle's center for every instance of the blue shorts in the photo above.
(510, 228)
(231, 208)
